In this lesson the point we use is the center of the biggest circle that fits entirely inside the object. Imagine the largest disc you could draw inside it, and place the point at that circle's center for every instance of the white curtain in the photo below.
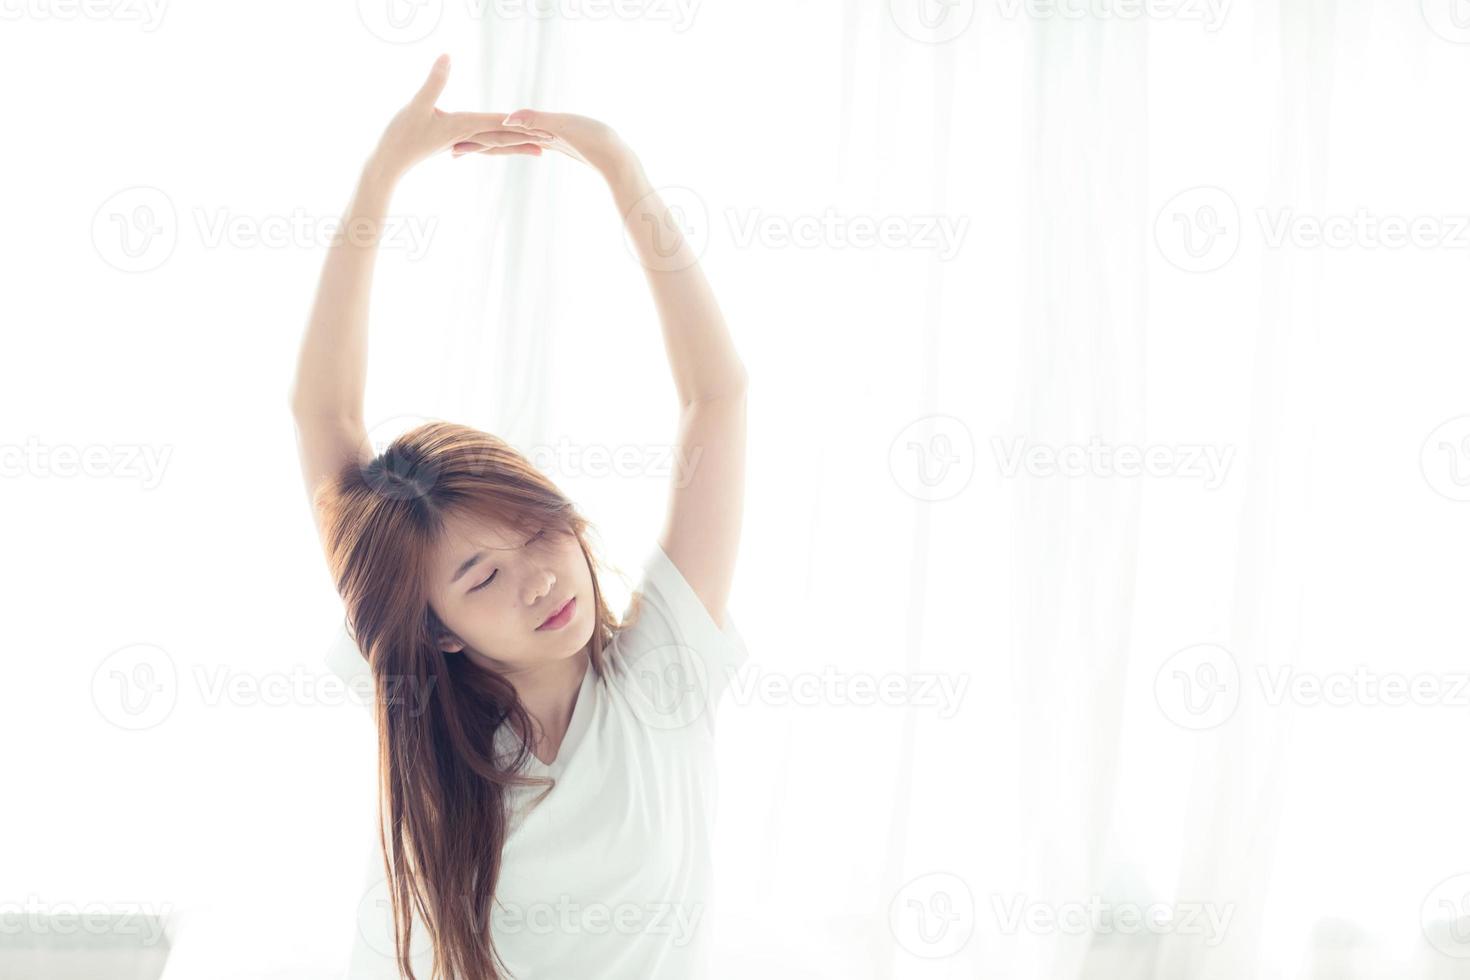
(1114, 188)
(1009, 699)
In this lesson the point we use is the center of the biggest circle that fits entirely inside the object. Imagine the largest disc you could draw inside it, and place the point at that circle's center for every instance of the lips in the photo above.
(561, 617)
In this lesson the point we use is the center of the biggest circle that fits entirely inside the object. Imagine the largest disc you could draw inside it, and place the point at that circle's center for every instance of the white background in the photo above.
(1117, 178)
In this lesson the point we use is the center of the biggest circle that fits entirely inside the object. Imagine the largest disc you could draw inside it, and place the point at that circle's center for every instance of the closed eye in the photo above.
(477, 588)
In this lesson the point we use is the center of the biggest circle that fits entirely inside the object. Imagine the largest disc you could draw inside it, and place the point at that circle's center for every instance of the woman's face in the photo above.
(495, 586)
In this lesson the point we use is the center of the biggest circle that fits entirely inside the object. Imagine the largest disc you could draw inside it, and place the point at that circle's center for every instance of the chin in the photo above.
(569, 640)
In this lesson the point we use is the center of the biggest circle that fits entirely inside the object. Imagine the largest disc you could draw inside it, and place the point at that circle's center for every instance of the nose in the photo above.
(544, 584)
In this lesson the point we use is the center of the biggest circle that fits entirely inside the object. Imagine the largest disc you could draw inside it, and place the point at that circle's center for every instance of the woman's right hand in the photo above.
(420, 129)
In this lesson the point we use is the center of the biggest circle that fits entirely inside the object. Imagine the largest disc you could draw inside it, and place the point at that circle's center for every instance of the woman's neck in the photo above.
(549, 694)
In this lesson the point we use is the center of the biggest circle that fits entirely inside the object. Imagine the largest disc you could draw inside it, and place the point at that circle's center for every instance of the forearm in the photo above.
(331, 368)
(701, 353)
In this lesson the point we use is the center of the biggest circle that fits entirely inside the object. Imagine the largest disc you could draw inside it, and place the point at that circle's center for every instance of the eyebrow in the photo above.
(469, 563)
(472, 561)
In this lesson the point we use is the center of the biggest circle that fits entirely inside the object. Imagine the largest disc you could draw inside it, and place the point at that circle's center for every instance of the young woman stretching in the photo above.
(546, 780)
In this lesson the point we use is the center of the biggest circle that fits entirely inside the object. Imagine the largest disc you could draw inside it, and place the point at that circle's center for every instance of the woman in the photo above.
(545, 770)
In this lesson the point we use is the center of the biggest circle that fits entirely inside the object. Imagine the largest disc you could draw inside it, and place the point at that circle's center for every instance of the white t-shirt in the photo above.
(609, 876)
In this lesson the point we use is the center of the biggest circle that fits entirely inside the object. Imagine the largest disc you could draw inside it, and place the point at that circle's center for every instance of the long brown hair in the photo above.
(442, 800)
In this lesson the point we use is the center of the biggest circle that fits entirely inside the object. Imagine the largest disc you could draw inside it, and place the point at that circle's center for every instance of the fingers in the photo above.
(484, 142)
(504, 137)
(529, 149)
(433, 86)
(474, 122)
(529, 119)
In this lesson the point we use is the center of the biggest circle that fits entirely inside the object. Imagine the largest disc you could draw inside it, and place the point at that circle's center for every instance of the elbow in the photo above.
(733, 391)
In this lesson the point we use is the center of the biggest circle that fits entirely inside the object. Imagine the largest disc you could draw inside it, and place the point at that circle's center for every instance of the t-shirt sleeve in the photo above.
(682, 661)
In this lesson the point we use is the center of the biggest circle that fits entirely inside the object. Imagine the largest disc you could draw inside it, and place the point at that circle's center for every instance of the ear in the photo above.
(449, 643)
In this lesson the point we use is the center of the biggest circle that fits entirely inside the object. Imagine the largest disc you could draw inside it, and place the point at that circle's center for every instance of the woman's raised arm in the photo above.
(331, 369)
(701, 533)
